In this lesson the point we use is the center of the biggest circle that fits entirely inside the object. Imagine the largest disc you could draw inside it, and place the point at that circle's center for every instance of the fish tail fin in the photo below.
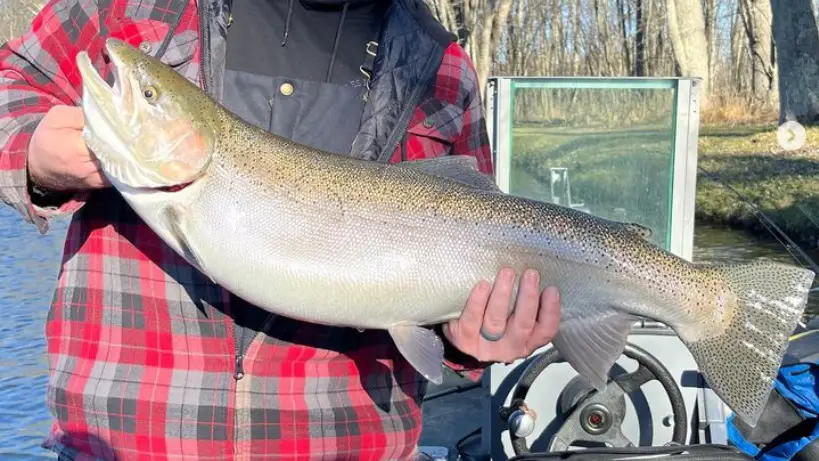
(740, 360)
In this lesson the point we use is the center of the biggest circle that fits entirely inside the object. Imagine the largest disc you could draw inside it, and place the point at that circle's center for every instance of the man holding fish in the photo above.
(150, 359)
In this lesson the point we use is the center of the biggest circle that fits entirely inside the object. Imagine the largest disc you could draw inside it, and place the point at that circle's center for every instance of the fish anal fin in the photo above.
(175, 217)
(591, 344)
(461, 168)
(422, 348)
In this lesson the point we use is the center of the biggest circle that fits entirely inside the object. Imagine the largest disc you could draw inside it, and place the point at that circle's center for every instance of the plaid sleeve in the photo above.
(464, 364)
(32, 80)
(473, 139)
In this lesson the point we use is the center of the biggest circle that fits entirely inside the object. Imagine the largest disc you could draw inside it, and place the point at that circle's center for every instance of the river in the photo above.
(29, 265)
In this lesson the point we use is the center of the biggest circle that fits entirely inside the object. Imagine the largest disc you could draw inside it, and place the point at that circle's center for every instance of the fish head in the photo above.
(153, 128)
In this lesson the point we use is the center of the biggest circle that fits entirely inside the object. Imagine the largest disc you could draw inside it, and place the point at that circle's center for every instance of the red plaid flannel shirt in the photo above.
(141, 371)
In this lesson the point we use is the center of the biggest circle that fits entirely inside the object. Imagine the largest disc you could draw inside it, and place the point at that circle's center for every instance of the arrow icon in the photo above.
(791, 136)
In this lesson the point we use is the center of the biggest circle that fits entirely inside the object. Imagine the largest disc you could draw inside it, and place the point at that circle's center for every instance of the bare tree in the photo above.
(640, 39)
(797, 45)
(739, 52)
(622, 17)
(757, 21)
(710, 16)
(600, 15)
(686, 25)
(482, 20)
(727, 43)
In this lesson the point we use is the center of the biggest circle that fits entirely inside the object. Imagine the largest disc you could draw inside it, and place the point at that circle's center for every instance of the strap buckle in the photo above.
(372, 47)
(366, 68)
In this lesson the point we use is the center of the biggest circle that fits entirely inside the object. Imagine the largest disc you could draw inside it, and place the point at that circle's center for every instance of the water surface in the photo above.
(29, 263)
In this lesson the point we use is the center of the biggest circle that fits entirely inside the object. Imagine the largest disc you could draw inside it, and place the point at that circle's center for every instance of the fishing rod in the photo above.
(809, 215)
(769, 224)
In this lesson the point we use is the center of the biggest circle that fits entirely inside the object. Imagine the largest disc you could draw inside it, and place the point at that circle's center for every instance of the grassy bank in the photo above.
(623, 174)
(784, 185)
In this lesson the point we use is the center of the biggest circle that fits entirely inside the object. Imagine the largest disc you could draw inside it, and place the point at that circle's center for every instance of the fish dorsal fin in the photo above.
(639, 229)
(461, 168)
(591, 344)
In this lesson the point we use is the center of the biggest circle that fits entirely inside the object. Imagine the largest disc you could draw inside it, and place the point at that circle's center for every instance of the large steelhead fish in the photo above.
(332, 240)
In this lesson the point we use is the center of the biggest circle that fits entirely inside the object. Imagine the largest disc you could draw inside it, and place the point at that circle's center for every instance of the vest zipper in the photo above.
(270, 103)
(204, 48)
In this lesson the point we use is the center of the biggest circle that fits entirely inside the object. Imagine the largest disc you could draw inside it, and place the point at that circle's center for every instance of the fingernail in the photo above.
(508, 275)
(531, 276)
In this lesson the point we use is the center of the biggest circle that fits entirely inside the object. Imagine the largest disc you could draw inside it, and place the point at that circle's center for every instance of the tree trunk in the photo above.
(600, 16)
(797, 51)
(640, 39)
(495, 15)
(738, 49)
(621, 23)
(756, 18)
(479, 24)
(710, 17)
(686, 26)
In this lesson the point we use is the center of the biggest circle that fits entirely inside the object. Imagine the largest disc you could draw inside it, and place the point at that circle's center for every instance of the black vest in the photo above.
(362, 116)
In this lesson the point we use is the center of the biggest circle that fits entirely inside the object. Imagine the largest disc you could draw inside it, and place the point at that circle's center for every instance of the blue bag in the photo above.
(789, 427)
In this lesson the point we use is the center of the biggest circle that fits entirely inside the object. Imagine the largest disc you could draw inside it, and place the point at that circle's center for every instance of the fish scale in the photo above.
(334, 240)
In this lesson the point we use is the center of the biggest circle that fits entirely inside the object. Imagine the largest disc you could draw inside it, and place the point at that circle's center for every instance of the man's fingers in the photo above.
(97, 177)
(525, 316)
(497, 309)
(548, 319)
(92, 176)
(81, 148)
(523, 320)
(469, 323)
(97, 180)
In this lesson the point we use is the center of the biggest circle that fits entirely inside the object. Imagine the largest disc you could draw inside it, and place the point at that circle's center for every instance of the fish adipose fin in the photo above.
(741, 362)
(591, 344)
(175, 220)
(422, 348)
(461, 168)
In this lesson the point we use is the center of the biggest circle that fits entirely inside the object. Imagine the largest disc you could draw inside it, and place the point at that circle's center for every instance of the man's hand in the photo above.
(58, 159)
(487, 332)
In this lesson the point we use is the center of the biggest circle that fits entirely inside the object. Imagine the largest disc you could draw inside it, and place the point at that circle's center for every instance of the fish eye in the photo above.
(150, 93)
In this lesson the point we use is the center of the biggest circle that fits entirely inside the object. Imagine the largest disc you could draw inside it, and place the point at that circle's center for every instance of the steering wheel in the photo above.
(594, 416)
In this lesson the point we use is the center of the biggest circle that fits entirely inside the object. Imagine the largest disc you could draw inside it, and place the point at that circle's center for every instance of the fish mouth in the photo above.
(105, 97)
(112, 122)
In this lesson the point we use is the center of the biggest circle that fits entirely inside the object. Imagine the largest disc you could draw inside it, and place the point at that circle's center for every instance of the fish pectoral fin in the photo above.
(461, 168)
(592, 344)
(175, 217)
(422, 348)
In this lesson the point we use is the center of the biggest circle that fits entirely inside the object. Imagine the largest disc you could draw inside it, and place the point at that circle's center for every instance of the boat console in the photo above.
(655, 397)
